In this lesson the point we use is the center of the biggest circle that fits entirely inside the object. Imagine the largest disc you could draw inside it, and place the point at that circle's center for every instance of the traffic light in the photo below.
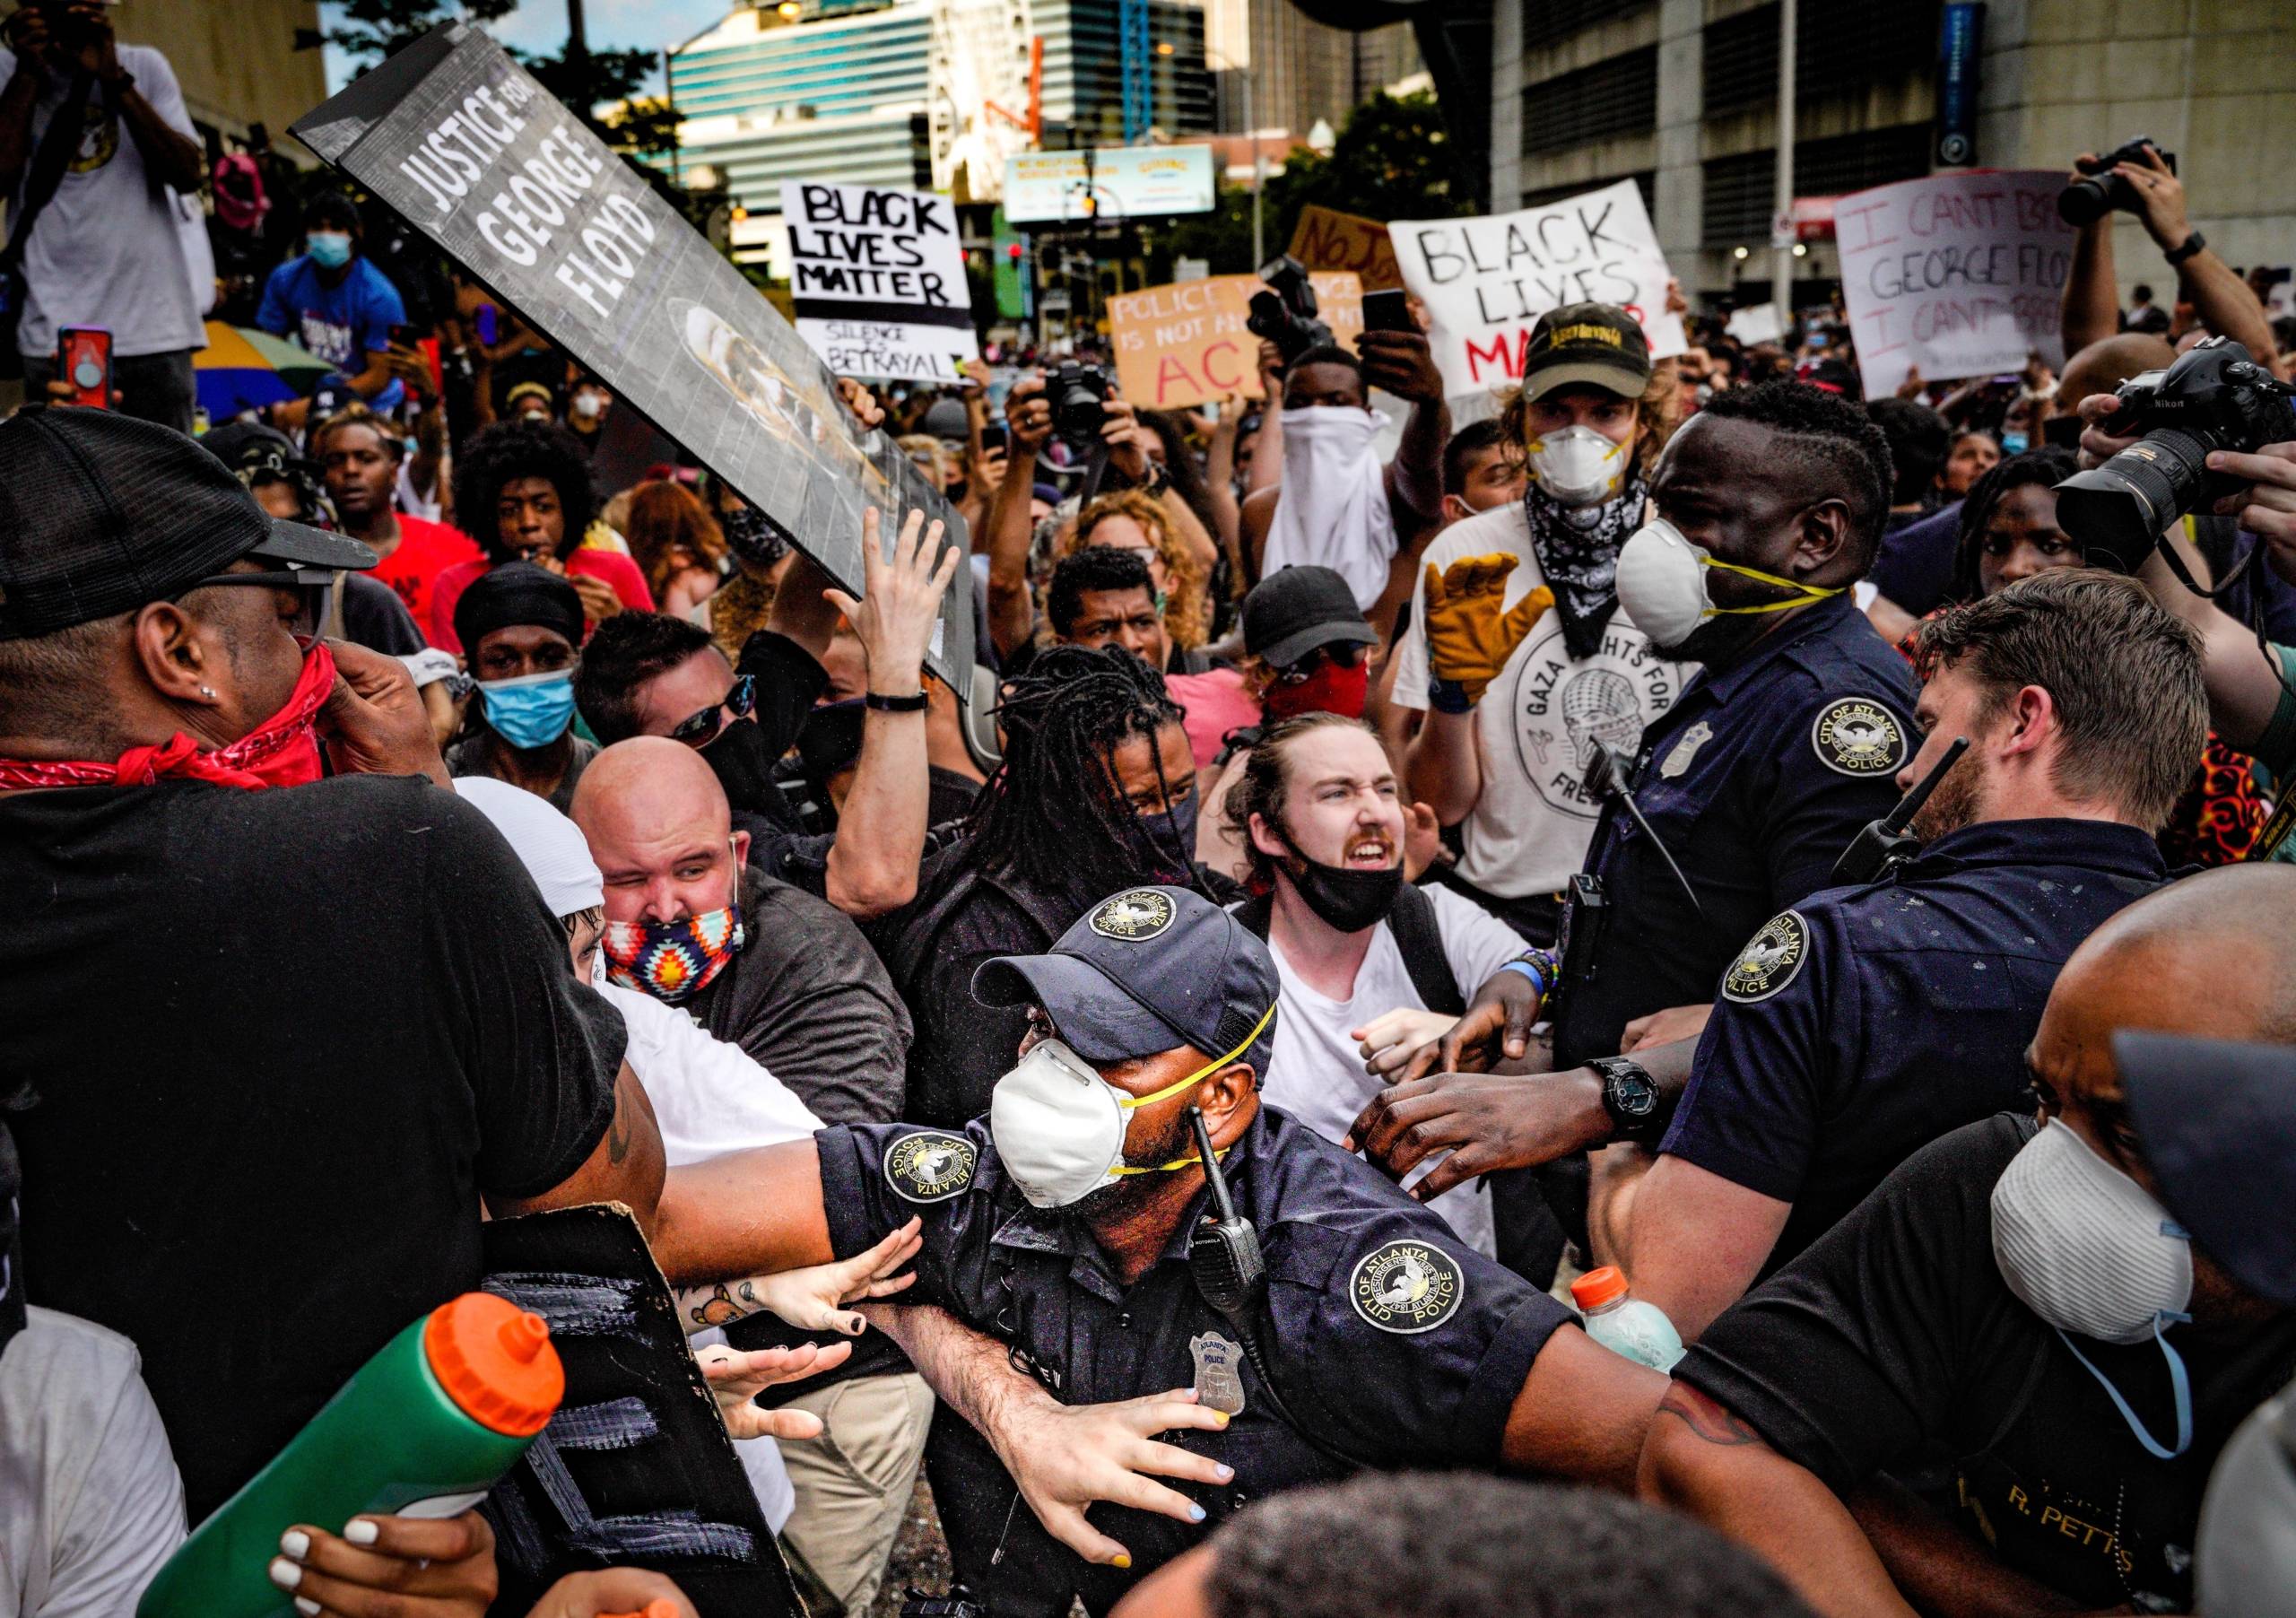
(920, 150)
(1014, 250)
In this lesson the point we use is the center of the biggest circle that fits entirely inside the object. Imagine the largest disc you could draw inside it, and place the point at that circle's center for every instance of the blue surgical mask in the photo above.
(329, 249)
(2015, 443)
(532, 711)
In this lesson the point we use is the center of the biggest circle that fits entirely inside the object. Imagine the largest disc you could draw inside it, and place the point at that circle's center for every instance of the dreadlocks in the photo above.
(1054, 813)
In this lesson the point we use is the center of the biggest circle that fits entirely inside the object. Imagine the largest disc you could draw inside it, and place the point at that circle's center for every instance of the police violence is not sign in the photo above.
(514, 187)
(1960, 275)
(1187, 344)
(1485, 282)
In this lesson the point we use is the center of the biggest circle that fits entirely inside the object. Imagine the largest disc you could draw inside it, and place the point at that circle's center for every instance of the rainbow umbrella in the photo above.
(243, 368)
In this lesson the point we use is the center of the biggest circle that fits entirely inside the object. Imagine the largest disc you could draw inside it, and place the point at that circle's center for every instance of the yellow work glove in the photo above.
(1468, 638)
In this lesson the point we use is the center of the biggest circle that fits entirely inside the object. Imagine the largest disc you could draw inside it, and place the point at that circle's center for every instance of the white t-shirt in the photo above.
(104, 251)
(90, 1503)
(1538, 723)
(1316, 1072)
(711, 1098)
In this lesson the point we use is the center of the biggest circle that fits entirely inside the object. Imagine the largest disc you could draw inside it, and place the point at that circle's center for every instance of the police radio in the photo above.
(1606, 773)
(1885, 844)
(1223, 1254)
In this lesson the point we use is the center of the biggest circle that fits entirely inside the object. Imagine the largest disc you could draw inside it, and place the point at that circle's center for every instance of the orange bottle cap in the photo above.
(495, 1362)
(661, 1606)
(1596, 1288)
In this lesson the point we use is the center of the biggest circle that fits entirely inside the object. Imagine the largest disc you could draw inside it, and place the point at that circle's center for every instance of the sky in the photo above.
(540, 26)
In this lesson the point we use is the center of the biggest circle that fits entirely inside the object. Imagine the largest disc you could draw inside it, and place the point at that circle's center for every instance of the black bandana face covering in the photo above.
(1344, 898)
(1578, 548)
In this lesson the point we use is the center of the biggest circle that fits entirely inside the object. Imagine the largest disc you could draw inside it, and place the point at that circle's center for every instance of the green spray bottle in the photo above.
(424, 1428)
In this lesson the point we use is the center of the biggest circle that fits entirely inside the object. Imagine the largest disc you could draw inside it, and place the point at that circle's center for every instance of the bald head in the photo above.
(2106, 363)
(2213, 956)
(659, 827)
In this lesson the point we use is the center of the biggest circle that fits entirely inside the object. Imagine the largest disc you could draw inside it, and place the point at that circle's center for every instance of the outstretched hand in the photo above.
(810, 1299)
(1065, 1458)
(900, 600)
(736, 1379)
(1468, 638)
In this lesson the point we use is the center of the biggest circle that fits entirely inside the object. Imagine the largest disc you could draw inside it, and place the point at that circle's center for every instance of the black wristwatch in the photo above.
(2190, 244)
(1630, 1096)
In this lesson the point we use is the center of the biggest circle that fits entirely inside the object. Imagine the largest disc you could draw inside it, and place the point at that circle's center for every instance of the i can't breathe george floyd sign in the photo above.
(514, 188)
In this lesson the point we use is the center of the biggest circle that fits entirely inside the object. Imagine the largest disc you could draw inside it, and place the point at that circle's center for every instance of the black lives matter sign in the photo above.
(878, 278)
(517, 190)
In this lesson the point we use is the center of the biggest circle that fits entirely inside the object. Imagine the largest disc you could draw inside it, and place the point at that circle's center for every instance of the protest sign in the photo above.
(879, 281)
(1960, 274)
(1756, 323)
(1187, 344)
(1485, 282)
(1328, 239)
(515, 189)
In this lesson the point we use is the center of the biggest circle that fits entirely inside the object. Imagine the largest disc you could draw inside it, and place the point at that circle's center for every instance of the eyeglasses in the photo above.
(1347, 654)
(703, 726)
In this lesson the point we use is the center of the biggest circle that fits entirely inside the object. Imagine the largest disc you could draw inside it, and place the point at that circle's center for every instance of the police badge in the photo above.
(1219, 1372)
(1137, 914)
(1769, 962)
(929, 1166)
(1858, 736)
(1407, 1287)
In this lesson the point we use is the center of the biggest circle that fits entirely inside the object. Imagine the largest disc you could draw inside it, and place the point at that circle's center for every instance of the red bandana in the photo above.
(283, 751)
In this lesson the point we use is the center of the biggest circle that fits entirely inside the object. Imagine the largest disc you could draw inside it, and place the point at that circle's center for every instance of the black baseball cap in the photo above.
(1296, 609)
(1586, 345)
(1147, 970)
(102, 513)
(2217, 1120)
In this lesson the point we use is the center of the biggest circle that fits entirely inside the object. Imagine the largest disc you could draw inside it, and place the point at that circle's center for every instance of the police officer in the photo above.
(1061, 1226)
(1769, 504)
(1865, 1022)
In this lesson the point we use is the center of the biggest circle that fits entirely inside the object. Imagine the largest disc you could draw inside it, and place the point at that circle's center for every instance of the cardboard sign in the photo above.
(1187, 344)
(635, 1470)
(1485, 282)
(1756, 323)
(514, 187)
(1327, 240)
(1960, 274)
(879, 281)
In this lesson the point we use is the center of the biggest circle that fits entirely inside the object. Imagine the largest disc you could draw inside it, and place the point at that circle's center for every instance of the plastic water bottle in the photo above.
(424, 1428)
(1625, 1325)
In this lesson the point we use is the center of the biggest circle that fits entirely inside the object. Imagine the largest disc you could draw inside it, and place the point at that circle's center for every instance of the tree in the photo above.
(368, 31)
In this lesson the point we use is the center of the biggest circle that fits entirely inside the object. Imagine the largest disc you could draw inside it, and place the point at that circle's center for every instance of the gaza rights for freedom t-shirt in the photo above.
(104, 251)
(1539, 720)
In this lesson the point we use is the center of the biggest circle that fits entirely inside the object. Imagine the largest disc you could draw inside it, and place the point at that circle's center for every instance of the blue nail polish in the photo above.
(1196, 1514)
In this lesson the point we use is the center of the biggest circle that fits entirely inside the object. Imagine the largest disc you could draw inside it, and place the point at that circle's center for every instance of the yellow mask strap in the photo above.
(1803, 594)
(1169, 1091)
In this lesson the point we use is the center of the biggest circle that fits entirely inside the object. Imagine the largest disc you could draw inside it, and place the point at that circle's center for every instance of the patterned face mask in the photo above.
(673, 960)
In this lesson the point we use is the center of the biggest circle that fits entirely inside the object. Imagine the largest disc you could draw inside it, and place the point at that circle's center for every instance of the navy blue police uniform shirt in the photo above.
(1389, 1339)
(1863, 1023)
(1755, 781)
(1892, 1344)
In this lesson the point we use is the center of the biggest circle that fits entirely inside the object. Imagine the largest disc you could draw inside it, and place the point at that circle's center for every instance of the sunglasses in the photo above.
(1347, 654)
(703, 726)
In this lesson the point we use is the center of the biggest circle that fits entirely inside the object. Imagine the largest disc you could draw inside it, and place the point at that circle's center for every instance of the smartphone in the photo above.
(487, 325)
(404, 335)
(1387, 312)
(84, 359)
(995, 439)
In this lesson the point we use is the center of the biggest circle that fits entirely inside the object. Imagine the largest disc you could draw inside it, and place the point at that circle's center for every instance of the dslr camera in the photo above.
(2086, 201)
(1077, 393)
(2214, 398)
(1285, 314)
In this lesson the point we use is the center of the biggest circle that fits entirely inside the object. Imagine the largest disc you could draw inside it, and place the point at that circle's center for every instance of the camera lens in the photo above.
(2086, 201)
(2119, 510)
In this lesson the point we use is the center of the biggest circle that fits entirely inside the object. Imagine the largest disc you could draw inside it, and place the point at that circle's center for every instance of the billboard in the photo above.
(514, 188)
(1125, 182)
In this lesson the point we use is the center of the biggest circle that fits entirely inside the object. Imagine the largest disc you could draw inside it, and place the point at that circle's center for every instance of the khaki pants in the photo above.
(853, 1482)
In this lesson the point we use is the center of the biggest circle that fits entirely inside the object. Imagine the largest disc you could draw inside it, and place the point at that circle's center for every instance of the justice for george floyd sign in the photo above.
(1960, 275)
(878, 278)
(1486, 282)
(514, 189)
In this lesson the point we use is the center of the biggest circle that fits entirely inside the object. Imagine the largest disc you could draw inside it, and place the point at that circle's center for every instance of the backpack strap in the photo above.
(1421, 939)
(50, 159)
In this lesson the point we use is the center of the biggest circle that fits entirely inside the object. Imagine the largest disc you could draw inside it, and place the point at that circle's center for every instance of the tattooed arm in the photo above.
(1700, 1458)
(808, 1299)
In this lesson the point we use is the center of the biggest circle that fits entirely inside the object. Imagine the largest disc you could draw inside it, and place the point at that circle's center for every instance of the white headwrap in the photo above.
(548, 844)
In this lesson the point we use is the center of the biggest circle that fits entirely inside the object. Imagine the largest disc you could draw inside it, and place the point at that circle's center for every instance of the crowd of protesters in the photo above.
(1446, 835)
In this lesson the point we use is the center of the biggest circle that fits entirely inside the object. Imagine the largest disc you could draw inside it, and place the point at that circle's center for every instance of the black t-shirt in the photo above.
(377, 619)
(1893, 1338)
(283, 1042)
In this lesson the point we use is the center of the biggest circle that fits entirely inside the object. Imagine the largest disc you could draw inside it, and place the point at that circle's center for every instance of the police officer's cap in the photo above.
(1145, 971)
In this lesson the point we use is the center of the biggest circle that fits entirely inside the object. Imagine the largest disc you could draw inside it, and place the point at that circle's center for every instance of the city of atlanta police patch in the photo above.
(1407, 1287)
(1133, 915)
(929, 1166)
(1769, 961)
(1857, 736)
